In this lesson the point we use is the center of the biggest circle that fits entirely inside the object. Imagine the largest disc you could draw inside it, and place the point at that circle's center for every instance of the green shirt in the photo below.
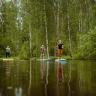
(7, 49)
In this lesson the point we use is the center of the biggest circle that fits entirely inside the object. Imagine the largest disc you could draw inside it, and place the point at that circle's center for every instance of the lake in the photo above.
(47, 78)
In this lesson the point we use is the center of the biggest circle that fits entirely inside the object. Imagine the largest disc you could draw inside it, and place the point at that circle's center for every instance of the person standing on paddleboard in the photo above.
(42, 51)
(60, 49)
(7, 51)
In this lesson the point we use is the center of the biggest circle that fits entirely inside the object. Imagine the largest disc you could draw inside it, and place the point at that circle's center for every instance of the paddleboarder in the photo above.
(7, 51)
(42, 51)
(60, 47)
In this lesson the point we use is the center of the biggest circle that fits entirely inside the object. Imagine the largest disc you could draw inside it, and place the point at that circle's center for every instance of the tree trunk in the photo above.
(80, 19)
(56, 17)
(30, 40)
(46, 28)
(88, 7)
(80, 24)
(3, 16)
(69, 33)
(58, 8)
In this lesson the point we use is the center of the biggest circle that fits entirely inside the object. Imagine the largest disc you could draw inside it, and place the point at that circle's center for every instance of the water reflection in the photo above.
(32, 78)
(29, 89)
(18, 91)
(86, 78)
(69, 81)
(9, 78)
(60, 76)
(42, 69)
(47, 69)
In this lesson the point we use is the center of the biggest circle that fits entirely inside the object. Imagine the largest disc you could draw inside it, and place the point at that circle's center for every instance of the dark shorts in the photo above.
(7, 54)
(42, 52)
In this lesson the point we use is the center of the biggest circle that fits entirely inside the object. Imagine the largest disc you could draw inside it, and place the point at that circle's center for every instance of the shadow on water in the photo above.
(47, 78)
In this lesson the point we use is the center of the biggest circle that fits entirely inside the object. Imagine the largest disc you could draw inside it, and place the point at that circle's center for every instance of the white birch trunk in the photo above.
(58, 8)
(55, 33)
(30, 40)
(2, 30)
(46, 29)
(56, 17)
(69, 33)
(80, 24)
(80, 19)
(88, 13)
(89, 18)
(2, 18)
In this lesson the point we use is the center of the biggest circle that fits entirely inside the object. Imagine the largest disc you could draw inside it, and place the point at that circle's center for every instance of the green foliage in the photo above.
(87, 49)
(17, 23)
(24, 52)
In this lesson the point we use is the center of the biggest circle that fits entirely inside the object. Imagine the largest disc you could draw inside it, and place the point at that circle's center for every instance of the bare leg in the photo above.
(43, 56)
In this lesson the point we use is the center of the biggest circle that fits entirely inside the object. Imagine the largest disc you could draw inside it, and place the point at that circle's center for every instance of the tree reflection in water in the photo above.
(70, 69)
(47, 70)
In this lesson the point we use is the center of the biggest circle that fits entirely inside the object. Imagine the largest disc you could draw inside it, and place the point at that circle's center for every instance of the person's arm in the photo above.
(57, 46)
(44, 49)
(62, 46)
(9, 50)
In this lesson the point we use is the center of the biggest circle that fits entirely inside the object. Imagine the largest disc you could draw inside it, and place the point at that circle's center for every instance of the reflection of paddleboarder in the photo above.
(60, 73)
(18, 91)
(1, 91)
(7, 51)
(42, 69)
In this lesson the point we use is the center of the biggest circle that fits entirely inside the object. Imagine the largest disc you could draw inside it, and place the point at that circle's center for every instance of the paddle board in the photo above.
(60, 59)
(8, 59)
(46, 59)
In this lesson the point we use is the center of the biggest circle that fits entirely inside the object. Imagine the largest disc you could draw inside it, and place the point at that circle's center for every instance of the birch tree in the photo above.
(3, 16)
(69, 32)
(46, 30)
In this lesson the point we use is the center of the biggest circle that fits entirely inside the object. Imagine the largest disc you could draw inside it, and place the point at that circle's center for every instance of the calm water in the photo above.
(42, 78)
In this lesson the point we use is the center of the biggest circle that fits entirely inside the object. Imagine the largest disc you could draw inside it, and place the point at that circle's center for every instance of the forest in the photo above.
(27, 24)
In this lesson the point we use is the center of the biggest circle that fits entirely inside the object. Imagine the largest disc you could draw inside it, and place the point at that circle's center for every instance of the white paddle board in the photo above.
(8, 59)
(46, 59)
(60, 59)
